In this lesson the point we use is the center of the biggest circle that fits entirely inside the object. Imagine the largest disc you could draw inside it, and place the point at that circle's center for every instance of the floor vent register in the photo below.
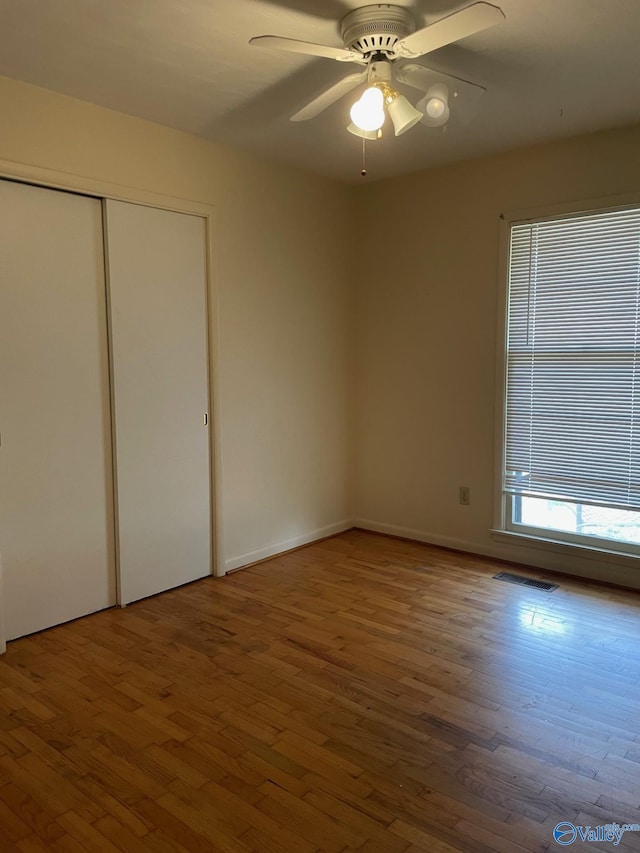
(506, 576)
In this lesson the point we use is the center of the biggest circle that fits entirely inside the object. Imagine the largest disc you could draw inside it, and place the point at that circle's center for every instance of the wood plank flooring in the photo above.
(362, 694)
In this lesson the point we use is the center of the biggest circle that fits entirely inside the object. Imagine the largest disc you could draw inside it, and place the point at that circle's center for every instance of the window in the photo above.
(572, 404)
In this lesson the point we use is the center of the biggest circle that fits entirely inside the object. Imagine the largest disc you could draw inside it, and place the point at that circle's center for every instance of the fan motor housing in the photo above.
(377, 28)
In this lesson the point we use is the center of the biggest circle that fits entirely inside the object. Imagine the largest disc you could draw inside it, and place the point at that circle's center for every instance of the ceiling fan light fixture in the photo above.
(367, 114)
(403, 114)
(435, 106)
(376, 36)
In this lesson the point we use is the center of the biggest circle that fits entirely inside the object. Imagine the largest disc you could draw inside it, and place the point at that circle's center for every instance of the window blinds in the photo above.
(573, 360)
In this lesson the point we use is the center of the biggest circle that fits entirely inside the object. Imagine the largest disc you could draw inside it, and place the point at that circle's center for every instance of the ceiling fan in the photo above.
(380, 37)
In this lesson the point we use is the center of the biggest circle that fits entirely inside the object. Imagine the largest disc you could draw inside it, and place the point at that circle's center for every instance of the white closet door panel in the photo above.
(157, 297)
(56, 503)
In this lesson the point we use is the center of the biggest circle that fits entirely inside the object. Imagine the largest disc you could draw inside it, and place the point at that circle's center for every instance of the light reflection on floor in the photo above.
(537, 617)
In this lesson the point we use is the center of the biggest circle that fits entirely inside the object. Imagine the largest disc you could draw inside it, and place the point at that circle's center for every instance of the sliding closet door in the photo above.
(158, 317)
(56, 518)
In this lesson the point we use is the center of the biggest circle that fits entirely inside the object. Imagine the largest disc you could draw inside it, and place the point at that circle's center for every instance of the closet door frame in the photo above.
(103, 190)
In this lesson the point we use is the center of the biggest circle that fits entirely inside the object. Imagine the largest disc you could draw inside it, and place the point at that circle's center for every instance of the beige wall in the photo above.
(426, 336)
(280, 277)
(418, 325)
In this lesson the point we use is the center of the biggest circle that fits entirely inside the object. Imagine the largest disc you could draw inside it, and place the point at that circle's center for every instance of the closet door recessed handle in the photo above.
(205, 418)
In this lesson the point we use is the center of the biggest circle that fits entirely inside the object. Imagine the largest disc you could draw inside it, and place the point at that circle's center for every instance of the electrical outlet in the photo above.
(465, 495)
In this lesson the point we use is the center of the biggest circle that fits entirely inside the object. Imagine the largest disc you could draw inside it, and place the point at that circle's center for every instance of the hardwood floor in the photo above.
(363, 693)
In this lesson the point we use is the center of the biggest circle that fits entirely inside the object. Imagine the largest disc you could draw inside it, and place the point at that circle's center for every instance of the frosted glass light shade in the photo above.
(403, 114)
(364, 134)
(435, 106)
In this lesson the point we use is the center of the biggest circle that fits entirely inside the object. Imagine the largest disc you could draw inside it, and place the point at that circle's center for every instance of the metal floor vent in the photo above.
(506, 576)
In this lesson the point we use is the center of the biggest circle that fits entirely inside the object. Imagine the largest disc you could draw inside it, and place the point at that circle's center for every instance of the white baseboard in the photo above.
(584, 563)
(423, 536)
(286, 545)
(555, 557)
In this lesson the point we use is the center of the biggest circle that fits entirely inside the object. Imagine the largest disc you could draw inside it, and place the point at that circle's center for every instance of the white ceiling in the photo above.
(554, 68)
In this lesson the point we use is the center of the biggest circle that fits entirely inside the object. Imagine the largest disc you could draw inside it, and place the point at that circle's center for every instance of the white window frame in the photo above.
(504, 530)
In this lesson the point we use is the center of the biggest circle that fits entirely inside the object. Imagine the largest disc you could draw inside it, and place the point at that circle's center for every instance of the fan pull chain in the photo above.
(364, 165)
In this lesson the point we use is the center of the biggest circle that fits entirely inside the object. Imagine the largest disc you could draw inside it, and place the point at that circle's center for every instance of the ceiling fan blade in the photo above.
(421, 77)
(464, 99)
(459, 25)
(330, 96)
(307, 47)
(418, 76)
